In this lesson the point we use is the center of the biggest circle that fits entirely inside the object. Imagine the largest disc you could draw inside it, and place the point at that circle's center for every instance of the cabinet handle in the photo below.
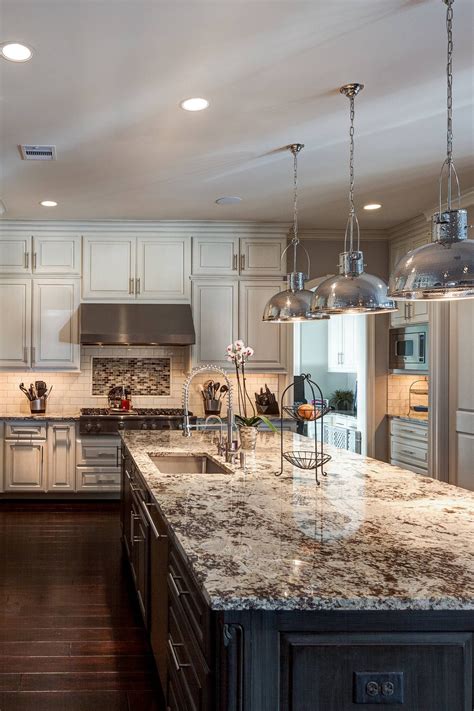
(34, 260)
(33, 354)
(242, 262)
(138, 286)
(27, 260)
(342, 358)
(151, 523)
(118, 456)
(171, 646)
(25, 354)
(174, 584)
(131, 289)
(234, 263)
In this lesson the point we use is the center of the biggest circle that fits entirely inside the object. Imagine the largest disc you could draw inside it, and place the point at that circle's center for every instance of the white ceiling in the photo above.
(107, 76)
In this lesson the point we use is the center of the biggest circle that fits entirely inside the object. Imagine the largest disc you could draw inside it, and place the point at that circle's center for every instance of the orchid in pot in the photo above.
(247, 420)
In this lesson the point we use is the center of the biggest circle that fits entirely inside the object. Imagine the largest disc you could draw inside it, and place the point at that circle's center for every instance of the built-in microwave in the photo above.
(409, 348)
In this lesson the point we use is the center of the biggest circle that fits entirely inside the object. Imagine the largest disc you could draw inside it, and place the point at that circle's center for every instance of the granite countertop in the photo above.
(371, 537)
(48, 415)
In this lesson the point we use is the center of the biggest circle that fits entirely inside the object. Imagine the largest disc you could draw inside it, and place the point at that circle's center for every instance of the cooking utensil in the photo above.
(24, 390)
(223, 391)
(216, 387)
(33, 393)
(46, 395)
(41, 387)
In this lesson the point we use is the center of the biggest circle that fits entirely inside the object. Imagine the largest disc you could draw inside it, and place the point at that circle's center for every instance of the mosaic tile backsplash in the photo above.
(144, 376)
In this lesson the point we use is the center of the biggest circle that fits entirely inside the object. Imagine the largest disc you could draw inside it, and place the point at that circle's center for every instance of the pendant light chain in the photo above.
(295, 148)
(449, 76)
(351, 174)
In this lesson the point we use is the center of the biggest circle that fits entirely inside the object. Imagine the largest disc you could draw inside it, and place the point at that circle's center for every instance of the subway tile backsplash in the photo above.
(143, 376)
(71, 391)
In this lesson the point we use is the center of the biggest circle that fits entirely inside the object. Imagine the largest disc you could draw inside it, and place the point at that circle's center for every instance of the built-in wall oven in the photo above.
(409, 348)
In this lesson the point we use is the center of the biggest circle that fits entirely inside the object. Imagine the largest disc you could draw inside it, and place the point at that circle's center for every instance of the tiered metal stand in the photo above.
(300, 458)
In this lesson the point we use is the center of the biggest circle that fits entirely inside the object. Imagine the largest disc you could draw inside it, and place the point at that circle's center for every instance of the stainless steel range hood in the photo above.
(137, 324)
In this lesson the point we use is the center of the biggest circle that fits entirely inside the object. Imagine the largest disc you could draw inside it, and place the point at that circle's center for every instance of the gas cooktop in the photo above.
(166, 412)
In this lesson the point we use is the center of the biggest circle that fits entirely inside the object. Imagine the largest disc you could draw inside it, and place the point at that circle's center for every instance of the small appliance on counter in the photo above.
(119, 399)
(266, 402)
(37, 395)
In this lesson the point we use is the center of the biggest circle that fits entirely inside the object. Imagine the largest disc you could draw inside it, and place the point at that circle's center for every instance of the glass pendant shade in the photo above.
(293, 304)
(352, 291)
(443, 269)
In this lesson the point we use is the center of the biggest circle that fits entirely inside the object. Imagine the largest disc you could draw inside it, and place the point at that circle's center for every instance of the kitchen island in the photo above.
(264, 592)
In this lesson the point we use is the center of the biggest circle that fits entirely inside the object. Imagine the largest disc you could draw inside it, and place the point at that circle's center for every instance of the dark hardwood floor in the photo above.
(71, 637)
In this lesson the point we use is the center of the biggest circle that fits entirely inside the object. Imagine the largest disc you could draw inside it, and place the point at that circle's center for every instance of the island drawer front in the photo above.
(416, 468)
(409, 430)
(25, 430)
(97, 479)
(104, 451)
(187, 668)
(189, 598)
(433, 671)
(408, 452)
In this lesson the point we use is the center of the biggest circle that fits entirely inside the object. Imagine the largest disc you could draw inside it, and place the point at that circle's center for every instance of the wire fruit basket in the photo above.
(313, 459)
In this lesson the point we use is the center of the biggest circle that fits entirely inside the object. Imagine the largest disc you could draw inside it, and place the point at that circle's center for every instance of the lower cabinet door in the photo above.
(343, 672)
(25, 466)
(61, 456)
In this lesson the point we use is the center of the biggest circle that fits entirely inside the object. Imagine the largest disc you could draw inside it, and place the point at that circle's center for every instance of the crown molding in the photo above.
(177, 227)
(467, 199)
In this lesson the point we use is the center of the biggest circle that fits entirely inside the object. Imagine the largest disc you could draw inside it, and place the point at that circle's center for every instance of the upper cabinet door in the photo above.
(335, 346)
(163, 268)
(342, 344)
(262, 256)
(268, 340)
(56, 324)
(15, 333)
(57, 254)
(15, 254)
(215, 310)
(216, 255)
(109, 268)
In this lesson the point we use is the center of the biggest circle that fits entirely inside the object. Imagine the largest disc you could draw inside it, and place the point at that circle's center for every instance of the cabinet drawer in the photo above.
(104, 451)
(409, 451)
(25, 430)
(409, 430)
(188, 596)
(416, 468)
(97, 479)
(427, 671)
(186, 665)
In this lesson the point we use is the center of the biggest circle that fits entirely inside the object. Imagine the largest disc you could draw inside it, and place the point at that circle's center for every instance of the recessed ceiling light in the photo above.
(16, 52)
(228, 200)
(48, 203)
(373, 206)
(194, 104)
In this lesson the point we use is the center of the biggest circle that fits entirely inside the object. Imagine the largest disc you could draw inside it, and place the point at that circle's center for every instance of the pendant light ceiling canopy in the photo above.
(293, 304)
(443, 269)
(352, 291)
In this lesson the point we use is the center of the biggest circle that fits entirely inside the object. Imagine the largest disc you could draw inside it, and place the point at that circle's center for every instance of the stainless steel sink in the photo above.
(188, 464)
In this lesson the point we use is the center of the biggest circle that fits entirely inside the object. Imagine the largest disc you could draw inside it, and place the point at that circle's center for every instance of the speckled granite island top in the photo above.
(371, 537)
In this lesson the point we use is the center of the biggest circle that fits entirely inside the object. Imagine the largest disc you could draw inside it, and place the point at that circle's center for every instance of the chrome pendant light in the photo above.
(352, 291)
(443, 269)
(294, 303)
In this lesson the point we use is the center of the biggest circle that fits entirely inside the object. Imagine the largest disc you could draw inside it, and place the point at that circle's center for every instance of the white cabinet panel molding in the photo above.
(163, 268)
(216, 255)
(15, 254)
(61, 456)
(15, 333)
(215, 310)
(262, 257)
(25, 466)
(268, 340)
(56, 324)
(109, 267)
(57, 254)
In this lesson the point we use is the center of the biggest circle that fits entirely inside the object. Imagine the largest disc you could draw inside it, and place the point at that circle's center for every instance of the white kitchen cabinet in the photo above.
(268, 340)
(342, 344)
(15, 255)
(58, 254)
(215, 311)
(409, 445)
(262, 256)
(163, 268)
(25, 465)
(216, 255)
(15, 332)
(109, 265)
(61, 456)
(228, 255)
(56, 324)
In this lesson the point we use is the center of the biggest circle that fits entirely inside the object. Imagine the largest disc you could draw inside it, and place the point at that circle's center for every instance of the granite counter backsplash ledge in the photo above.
(371, 537)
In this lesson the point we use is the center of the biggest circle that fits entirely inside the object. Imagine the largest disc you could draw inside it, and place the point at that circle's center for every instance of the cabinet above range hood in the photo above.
(137, 325)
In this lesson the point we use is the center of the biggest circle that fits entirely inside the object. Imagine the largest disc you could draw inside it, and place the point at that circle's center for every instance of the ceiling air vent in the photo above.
(38, 152)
